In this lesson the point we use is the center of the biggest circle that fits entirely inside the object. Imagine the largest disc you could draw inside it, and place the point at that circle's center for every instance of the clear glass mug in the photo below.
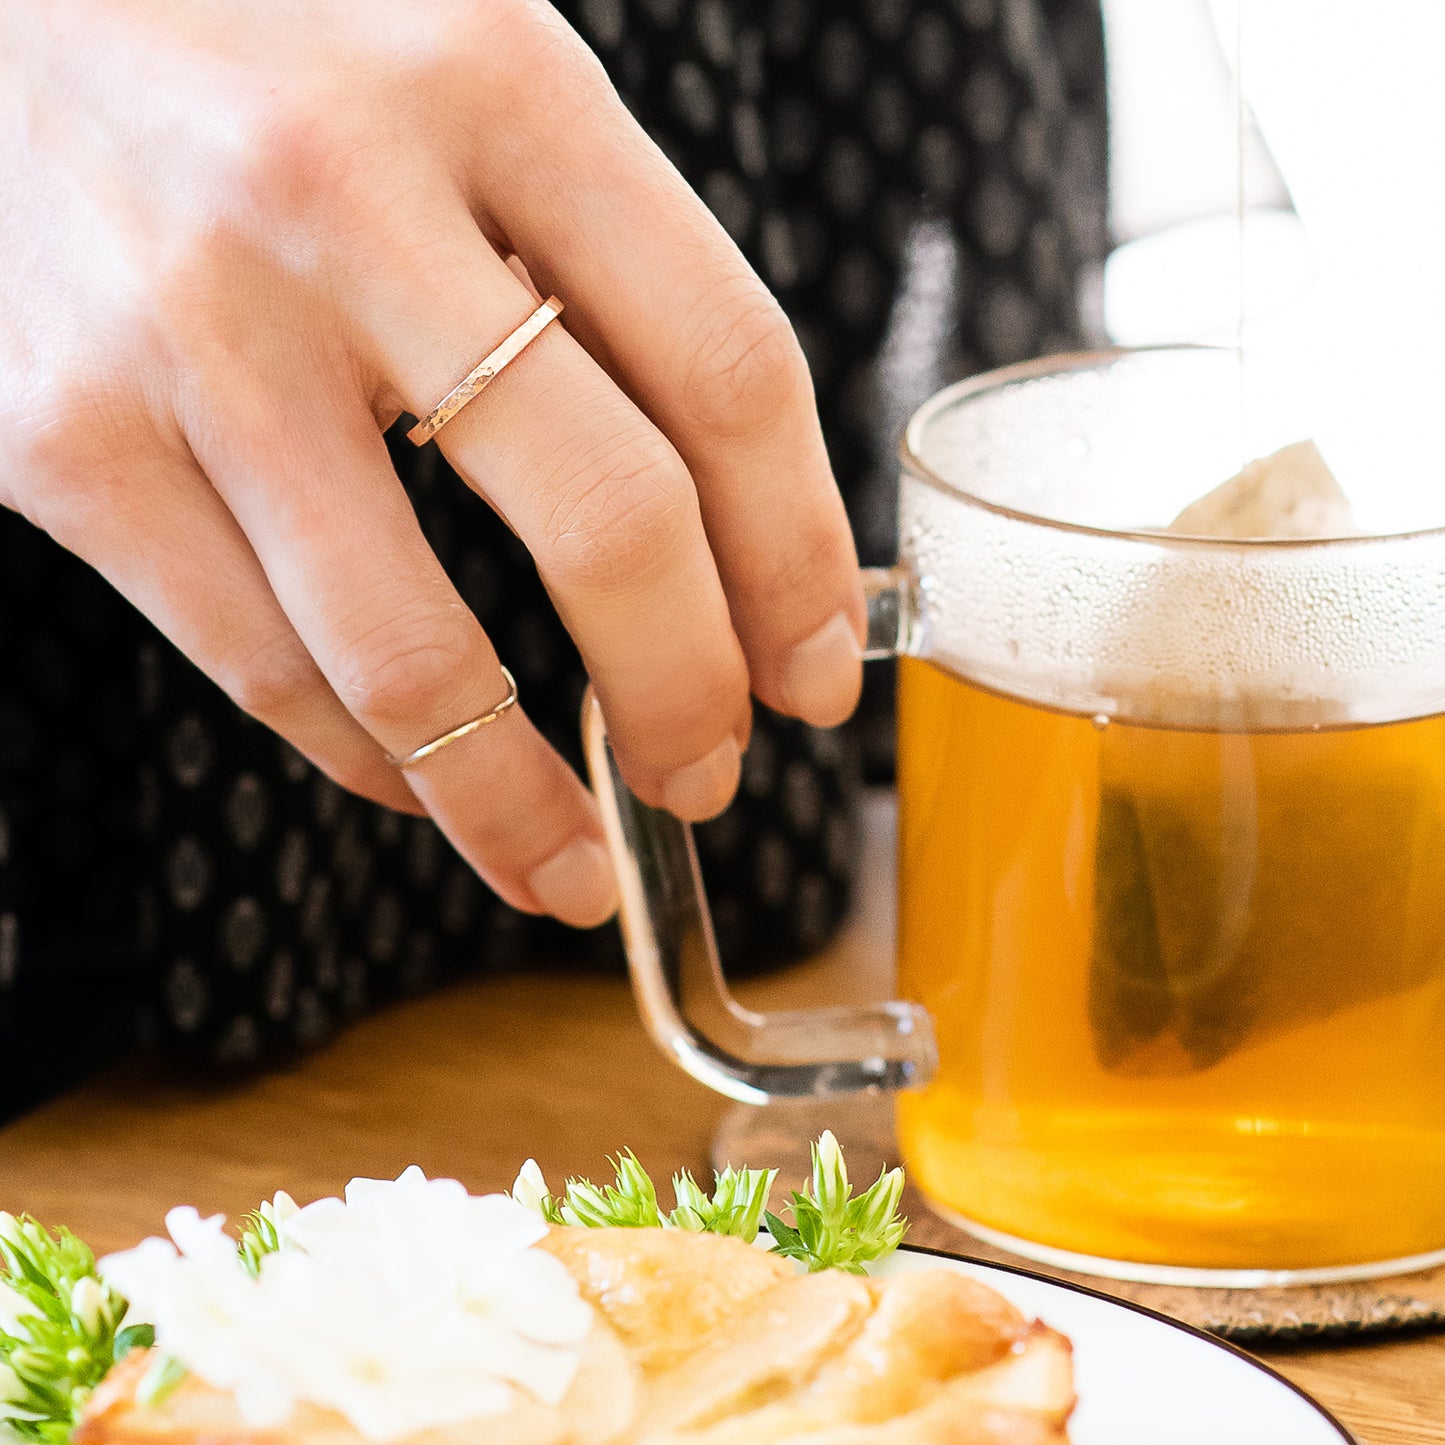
(1171, 853)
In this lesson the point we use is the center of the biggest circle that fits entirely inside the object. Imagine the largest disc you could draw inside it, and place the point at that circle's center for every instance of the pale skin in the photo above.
(240, 237)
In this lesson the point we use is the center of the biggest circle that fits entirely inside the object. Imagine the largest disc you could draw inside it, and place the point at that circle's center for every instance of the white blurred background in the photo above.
(1335, 270)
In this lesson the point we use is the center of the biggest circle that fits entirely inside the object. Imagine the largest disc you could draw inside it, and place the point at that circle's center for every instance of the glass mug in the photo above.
(1171, 853)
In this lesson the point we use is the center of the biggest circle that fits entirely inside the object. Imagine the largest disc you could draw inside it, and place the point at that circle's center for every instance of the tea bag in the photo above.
(1290, 493)
(1248, 884)
(1223, 855)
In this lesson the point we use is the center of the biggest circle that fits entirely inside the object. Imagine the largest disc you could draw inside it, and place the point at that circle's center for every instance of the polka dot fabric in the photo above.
(921, 183)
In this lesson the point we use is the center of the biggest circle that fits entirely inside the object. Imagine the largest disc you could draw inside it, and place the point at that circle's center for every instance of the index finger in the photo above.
(659, 293)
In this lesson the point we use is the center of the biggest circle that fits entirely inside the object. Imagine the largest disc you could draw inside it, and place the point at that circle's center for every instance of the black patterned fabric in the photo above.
(922, 184)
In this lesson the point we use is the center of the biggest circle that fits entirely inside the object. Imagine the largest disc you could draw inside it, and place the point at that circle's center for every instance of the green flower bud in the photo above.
(15, 1309)
(530, 1188)
(12, 1388)
(30, 1362)
(90, 1304)
(283, 1207)
(830, 1173)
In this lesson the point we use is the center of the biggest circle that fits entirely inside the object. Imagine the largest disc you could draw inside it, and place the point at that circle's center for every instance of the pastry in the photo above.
(414, 1313)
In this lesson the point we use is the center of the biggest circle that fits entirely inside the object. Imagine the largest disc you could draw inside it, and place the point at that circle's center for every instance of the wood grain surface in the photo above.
(468, 1083)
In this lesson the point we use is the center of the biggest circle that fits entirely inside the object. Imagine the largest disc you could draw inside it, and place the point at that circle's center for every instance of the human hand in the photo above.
(240, 237)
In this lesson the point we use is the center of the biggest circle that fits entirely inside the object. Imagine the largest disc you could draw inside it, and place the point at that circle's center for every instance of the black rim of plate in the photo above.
(1228, 1346)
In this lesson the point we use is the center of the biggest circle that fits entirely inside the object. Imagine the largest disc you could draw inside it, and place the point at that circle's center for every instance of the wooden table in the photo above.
(470, 1081)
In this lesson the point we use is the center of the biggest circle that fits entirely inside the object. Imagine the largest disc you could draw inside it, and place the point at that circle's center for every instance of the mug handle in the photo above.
(672, 953)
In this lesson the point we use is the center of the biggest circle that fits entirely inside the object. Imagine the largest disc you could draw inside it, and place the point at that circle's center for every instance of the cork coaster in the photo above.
(778, 1136)
(1247, 1316)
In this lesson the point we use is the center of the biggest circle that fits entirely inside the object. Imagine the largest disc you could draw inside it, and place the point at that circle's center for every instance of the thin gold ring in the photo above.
(485, 372)
(464, 730)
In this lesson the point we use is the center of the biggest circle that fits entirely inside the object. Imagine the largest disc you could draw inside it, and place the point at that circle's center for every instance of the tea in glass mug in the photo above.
(1188, 985)
(1171, 853)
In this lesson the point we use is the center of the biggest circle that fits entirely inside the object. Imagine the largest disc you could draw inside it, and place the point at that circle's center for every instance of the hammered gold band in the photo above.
(464, 730)
(485, 372)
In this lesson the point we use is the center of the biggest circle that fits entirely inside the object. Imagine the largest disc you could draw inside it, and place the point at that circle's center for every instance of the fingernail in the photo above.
(703, 789)
(825, 675)
(577, 884)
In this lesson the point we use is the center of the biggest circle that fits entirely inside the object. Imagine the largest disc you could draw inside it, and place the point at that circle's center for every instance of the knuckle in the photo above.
(42, 471)
(536, 57)
(618, 516)
(62, 420)
(73, 453)
(272, 683)
(746, 368)
(404, 672)
(673, 732)
(38, 444)
(359, 774)
(289, 153)
(703, 714)
(814, 560)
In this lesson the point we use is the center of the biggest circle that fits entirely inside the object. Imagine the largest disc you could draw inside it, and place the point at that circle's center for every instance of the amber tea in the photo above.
(1189, 985)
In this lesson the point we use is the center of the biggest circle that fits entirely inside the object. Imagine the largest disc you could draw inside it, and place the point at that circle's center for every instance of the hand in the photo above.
(240, 237)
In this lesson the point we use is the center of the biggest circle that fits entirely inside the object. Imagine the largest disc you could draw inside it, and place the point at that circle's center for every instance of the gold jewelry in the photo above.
(464, 730)
(485, 372)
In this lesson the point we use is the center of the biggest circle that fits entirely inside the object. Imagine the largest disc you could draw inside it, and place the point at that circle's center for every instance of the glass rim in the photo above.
(1061, 363)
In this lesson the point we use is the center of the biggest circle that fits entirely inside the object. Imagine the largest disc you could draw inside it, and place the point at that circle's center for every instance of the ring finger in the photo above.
(315, 493)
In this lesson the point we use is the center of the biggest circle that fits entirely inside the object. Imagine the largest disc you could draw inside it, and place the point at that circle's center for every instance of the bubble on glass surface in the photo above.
(1145, 627)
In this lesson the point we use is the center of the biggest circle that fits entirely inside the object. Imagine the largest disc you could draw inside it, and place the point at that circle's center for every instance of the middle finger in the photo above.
(601, 499)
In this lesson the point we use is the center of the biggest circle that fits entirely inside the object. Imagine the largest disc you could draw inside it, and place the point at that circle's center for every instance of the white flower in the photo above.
(530, 1188)
(9, 1227)
(410, 1304)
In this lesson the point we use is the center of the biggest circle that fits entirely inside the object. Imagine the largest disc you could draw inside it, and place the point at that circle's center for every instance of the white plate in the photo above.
(1143, 1379)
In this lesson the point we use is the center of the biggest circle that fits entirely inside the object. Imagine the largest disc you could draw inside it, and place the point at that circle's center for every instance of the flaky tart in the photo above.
(699, 1340)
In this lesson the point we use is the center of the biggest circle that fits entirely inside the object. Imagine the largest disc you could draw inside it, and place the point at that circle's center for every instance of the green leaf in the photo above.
(133, 1337)
(786, 1240)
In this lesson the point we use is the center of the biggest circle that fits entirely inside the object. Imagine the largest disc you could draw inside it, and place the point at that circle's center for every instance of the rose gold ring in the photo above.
(462, 730)
(485, 372)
